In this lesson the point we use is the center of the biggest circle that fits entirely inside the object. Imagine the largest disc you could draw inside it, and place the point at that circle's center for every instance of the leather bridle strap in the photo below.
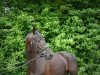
(40, 50)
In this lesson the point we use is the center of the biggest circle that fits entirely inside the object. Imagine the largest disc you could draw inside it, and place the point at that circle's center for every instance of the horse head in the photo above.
(38, 45)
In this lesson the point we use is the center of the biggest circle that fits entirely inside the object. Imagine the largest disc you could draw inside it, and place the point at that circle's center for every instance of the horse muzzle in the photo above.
(47, 55)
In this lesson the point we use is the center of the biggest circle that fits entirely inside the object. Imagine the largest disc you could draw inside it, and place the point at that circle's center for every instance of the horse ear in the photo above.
(33, 29)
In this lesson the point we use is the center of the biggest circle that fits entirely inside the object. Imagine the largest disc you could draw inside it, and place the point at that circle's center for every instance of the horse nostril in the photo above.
(42, 54)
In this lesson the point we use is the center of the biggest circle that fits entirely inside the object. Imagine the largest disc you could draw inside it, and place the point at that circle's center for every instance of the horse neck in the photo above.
(32, 64)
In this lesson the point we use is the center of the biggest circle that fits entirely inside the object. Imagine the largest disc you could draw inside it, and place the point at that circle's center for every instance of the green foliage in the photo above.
(69, 25)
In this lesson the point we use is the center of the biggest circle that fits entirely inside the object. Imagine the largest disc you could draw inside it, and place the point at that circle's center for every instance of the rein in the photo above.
(25, 63)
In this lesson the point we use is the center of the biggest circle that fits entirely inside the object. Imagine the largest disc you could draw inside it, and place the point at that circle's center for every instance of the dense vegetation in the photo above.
(67, 25)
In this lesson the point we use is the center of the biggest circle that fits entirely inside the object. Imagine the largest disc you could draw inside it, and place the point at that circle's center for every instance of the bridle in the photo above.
(36, 44)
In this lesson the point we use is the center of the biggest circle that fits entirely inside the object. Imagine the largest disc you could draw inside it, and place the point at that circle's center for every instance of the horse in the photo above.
(45, 62)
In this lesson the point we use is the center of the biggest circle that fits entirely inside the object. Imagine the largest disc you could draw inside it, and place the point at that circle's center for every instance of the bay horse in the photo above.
(45, 61)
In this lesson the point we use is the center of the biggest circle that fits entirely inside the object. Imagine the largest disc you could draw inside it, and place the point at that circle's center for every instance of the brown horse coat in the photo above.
(51, 67)
(62, 63)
